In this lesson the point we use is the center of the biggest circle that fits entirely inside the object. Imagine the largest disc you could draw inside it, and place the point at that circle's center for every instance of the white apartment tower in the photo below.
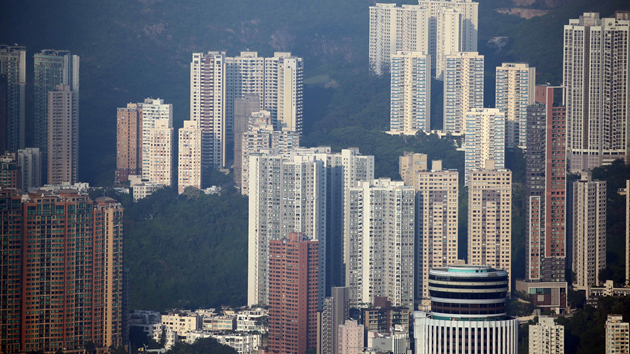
(63, 135)
(286, 194)
(394, 29)
(546, 337)
(490, 218)
(410, 108)
(448, 37)
(30, 162)
(589, 230)
(515, 90)
(13, 68)
(152, 110)
(437, 217)
(463, 89)
(595, 75)
(617, 335)
(485, 139)
(207, 105)
(189, 162)
(160, 152)
(381, 234)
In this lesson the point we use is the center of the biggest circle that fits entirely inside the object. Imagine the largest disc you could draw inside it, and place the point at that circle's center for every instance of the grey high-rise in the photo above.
(12, 97)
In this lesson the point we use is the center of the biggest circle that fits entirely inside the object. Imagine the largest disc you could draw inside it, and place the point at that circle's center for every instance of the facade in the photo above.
(485, 139)
(52, 68)
(437, 218)
(490, 218)
(13, 99)
(141, 190)
(461, 322)
(189, 162)
(9, 171)
(394, 29)
(160, 153)
(336, 312)
(395, 343)
(448, 37)
(152, 110)
(589, 230)
(627, 194)
(128, 142)
(545, 295)
(595, 75)
(30, 162)
(294, 285)
(243, 109)
(617, 335)
(384, 319)
(89, 299)
(515, 85)
(463, 89)
(381, 242)
(181, 322)
(63, 135)
(410, 108)
(546, 337)
(546, 244)
(350, 338)
(409, 165)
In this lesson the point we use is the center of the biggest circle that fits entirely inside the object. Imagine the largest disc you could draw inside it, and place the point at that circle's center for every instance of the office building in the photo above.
(160, 153)
(410, 108)
(460, 322)
(490, 218)
(294, 264)
(152, 109)
(128, 142)
(514, 92)
(463, 89)
(589, 230)
(437, 218)
(409, 165)
(86, 305)
(12, 97)
(30, 163)
(350, 338)
(485, 139)
(546, 337)
(617, 335)
(63, 135)
(595, 75)
(189, 164)
(52, 68)
(243, 109)
(381, 242)
(394, 29)
(261, 136)
(335, 313)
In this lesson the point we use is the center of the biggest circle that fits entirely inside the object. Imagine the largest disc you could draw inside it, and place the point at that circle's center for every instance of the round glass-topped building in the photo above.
(468, 313)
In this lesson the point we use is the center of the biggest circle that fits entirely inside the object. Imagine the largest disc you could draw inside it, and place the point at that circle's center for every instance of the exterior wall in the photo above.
(485, 139)
(189, 161)
(243, 109)
(63, 135)
(515, 85)
(160, 153)
(128, 142)
(628, 230)
(410, 108)
(152, 110)
(350, 338)
(336, 312)
(463, 89)
(546, 337)
(13, 68)
(617, 335)
(409, 165)
(30, 162)
(547, 295)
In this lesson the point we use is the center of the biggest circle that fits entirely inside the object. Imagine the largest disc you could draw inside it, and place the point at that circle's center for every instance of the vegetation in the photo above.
(202, 346)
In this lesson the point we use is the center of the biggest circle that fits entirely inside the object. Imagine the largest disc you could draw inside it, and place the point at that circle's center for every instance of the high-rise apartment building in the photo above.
(545, 187)
(461, 322)
(293, 293)
(485, 139)
(66, 285)
(152, 110)
(13, 99)
(30, 162)
(262, 135)
(335, 313)
(63, 135)
(463, 89)
(514, 92)
(589, 230)
(52, 68)
(243, 109)
(490, 218)
(381, 243)
(9, 171)
(394, 29)
(546, 337)
(626, 192)
(409, 165)
(437, 223)
(129, 134)
(189, 164)
(595, 75)
(160, 153)
(350, 338)
(410, 108)
(617, 335)
(448, 37)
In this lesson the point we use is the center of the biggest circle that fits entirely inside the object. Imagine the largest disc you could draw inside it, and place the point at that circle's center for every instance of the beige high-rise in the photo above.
(160, 153)
(617, 335)
(490, 218)
(63, 135)
(515, 90)
(152, 110)
(409, 165)
(189, 162)
(546, 337)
